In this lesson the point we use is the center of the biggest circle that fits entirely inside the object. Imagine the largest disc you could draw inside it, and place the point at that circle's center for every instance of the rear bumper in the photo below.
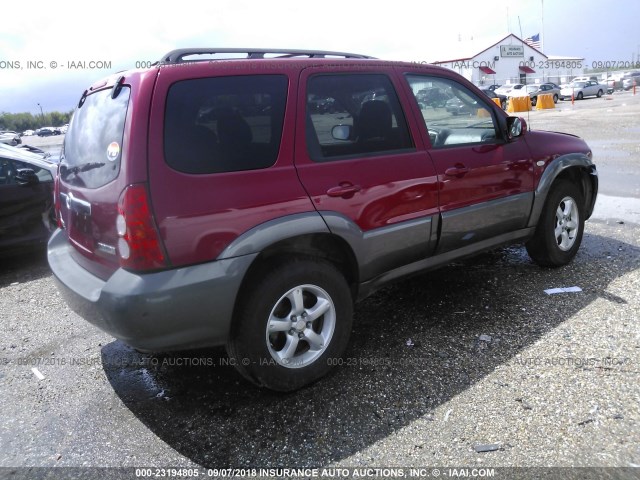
(174, 309)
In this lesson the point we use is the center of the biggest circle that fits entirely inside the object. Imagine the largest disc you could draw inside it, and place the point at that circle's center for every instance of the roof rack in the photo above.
(177, 56)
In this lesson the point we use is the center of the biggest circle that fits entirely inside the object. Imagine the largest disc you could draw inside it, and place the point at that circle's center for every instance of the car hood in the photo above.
(564, 143)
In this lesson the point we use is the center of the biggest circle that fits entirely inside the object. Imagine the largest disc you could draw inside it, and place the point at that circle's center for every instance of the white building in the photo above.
(509, 61)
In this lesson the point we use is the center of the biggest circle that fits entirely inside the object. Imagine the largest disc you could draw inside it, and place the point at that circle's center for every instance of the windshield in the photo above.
(93, 143)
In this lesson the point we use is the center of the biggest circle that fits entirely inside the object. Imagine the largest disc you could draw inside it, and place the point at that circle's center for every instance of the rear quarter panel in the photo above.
(198, 215)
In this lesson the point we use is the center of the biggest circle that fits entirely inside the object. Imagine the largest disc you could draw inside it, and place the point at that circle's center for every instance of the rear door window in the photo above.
(224, 124)
(93, 143)
(354, 115)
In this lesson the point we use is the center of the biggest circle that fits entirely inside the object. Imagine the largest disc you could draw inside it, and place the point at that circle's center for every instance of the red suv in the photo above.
(212, 202)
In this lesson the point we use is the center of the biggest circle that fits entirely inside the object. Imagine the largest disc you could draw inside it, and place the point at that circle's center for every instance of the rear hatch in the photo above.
(91, 179)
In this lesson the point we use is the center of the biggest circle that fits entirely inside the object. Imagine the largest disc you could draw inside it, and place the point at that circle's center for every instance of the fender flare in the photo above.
(551, 172)
(374, 252)
(262, 236)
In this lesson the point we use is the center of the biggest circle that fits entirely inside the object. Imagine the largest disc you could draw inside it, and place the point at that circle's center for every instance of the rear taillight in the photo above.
(139, 246)
(56, 199)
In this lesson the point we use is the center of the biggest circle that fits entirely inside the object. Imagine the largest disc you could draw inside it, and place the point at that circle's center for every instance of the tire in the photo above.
(560, 227)
(579, 96)
(599, 94)
(503, 104)
(534, 101)
(272, 338)
(555, 99)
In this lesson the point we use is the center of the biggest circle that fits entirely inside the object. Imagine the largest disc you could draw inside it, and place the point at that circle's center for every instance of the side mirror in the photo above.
(26, 176)
(516, 127)
(341, 132)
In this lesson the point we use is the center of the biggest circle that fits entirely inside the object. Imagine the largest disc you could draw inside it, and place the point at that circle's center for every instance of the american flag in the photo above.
(533, 41)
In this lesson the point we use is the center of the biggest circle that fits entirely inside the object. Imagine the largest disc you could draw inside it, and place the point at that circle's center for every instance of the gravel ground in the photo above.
(471, 355)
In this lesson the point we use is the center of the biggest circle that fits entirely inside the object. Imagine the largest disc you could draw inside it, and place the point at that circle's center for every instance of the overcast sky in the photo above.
(125, 32)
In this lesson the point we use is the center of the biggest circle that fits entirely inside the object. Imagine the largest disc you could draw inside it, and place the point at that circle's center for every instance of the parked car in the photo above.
(27, 216)
(592, 78)
(259, 227)
(510, 90)
(493, 94)
(456, 106)
(525, 91)
(27, 133)
(630, 79)
(322, 105)
(61, 130)
(579, 90)
(10, 138)
(493, 87)
(432, 97)
(45, 132)
(544, 88)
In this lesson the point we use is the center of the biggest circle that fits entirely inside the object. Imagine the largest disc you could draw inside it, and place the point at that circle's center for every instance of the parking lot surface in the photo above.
(439, 366)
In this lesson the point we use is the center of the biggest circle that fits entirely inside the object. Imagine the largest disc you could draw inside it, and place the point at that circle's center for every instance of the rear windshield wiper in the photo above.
(65, 170)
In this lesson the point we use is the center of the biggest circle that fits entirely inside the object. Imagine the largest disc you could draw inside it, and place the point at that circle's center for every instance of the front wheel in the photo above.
(579, 97)
(534, 101)
(559, 231)
(555, 99)
(292, 325)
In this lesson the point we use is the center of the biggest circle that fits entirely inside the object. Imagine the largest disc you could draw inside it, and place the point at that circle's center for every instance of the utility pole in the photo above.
(42, 114)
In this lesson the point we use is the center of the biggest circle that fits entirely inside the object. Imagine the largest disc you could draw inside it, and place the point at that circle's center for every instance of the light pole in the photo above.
(41, 113)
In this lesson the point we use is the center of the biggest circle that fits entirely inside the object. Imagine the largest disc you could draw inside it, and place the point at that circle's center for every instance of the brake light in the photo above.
(139, 246)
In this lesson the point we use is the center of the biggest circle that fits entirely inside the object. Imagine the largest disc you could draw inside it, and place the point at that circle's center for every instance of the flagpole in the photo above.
(542, 38)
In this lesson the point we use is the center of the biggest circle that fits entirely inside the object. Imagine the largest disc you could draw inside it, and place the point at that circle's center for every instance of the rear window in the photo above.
(93, 143)
(224, 124)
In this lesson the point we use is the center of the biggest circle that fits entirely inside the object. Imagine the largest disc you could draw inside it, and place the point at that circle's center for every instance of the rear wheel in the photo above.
(534, 101)
(599, 93)
(555, 98)
(292, 324)
(559, 231)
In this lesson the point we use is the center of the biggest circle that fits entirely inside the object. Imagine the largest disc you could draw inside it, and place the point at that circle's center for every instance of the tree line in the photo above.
(19, 122)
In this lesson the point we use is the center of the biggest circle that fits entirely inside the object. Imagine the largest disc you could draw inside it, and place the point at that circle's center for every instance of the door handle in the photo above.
(458, 171)
(488, 147)
(344, 190)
